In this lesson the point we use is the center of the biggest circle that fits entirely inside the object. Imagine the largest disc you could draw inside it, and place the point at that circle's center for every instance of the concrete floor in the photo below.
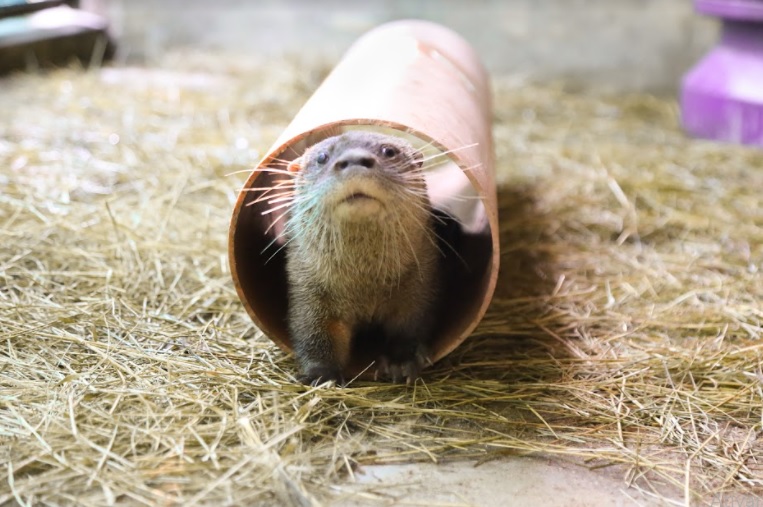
(523, 481)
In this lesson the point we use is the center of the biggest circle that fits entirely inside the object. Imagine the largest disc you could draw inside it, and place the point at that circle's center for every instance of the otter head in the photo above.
(358, 177)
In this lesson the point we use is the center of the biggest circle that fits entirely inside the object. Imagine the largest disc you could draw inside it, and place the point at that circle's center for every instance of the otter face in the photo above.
(358, 175)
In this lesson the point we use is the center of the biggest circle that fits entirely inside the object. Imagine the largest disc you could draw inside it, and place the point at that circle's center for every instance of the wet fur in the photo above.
(375, 272)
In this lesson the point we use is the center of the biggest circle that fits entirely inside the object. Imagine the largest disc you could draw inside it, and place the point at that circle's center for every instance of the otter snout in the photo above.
(355, 157)
(358, 177)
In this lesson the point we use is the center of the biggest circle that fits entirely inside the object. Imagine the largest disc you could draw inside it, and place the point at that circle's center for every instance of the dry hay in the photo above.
(625, 332)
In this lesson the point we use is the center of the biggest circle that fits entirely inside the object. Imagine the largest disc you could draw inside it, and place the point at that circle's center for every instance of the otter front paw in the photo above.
(405, 367)
(318, 374)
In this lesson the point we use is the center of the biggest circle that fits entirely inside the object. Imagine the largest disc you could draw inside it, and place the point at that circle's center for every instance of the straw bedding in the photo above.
(625, 331)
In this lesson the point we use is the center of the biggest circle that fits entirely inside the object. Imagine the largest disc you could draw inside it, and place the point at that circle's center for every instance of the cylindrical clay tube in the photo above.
(418, 80)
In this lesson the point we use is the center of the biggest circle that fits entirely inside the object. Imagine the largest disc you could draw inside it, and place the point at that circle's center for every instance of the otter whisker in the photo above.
(288, 181)
(273, 170)
(442, 240)
(406, 191)
(454, 150)
(274, 240)
(276, 208)
(398, 252)
(275, 221)
(452, 249)
(458, 198)
(433, 215)
(416, 172)
(380, 265)
(281, 160)
(265, 197)
(271, 243)
(413, 250)
(275, 199)
(279, 249)
(435, 160)
(288, 228)
(286, 186)
(265, 189)
(239, 172)
(433, 164)
(296, 153)
(270, 197)
(426, 146)
(413, 186)
(335, 244)
(423, 227)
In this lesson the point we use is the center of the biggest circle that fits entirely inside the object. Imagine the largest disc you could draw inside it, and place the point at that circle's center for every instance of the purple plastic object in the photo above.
(722, 96)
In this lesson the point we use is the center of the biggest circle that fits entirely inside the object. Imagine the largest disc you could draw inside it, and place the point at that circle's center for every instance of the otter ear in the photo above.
(295, 165)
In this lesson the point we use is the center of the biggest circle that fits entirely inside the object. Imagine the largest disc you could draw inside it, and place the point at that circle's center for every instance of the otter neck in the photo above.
(376, 251)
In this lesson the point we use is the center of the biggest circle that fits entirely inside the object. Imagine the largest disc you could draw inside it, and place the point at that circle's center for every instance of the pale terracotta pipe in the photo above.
(416, 78)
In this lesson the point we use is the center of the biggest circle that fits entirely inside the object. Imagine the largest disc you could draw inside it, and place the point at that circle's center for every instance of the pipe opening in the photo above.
(258, 256)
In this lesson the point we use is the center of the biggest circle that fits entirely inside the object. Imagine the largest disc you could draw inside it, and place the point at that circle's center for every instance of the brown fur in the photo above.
(356, 264)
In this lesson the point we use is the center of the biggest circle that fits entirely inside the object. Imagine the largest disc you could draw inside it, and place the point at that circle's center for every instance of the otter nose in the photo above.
(355, 157)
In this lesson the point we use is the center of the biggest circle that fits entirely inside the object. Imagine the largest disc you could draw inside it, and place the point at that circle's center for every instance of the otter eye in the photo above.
(322, 158)
(389, 151)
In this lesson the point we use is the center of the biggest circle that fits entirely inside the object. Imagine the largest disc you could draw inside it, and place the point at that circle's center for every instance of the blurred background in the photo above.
(623, 45)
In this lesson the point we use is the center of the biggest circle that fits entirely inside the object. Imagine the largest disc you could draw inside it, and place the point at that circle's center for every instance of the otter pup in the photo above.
(362, 257)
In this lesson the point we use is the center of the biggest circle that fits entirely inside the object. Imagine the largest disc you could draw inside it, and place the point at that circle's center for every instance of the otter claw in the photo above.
(423, 359)
(320, 375)
(382, 368)
(398, 372)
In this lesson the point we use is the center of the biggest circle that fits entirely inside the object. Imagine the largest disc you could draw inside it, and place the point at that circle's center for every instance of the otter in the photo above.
(362, 258)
